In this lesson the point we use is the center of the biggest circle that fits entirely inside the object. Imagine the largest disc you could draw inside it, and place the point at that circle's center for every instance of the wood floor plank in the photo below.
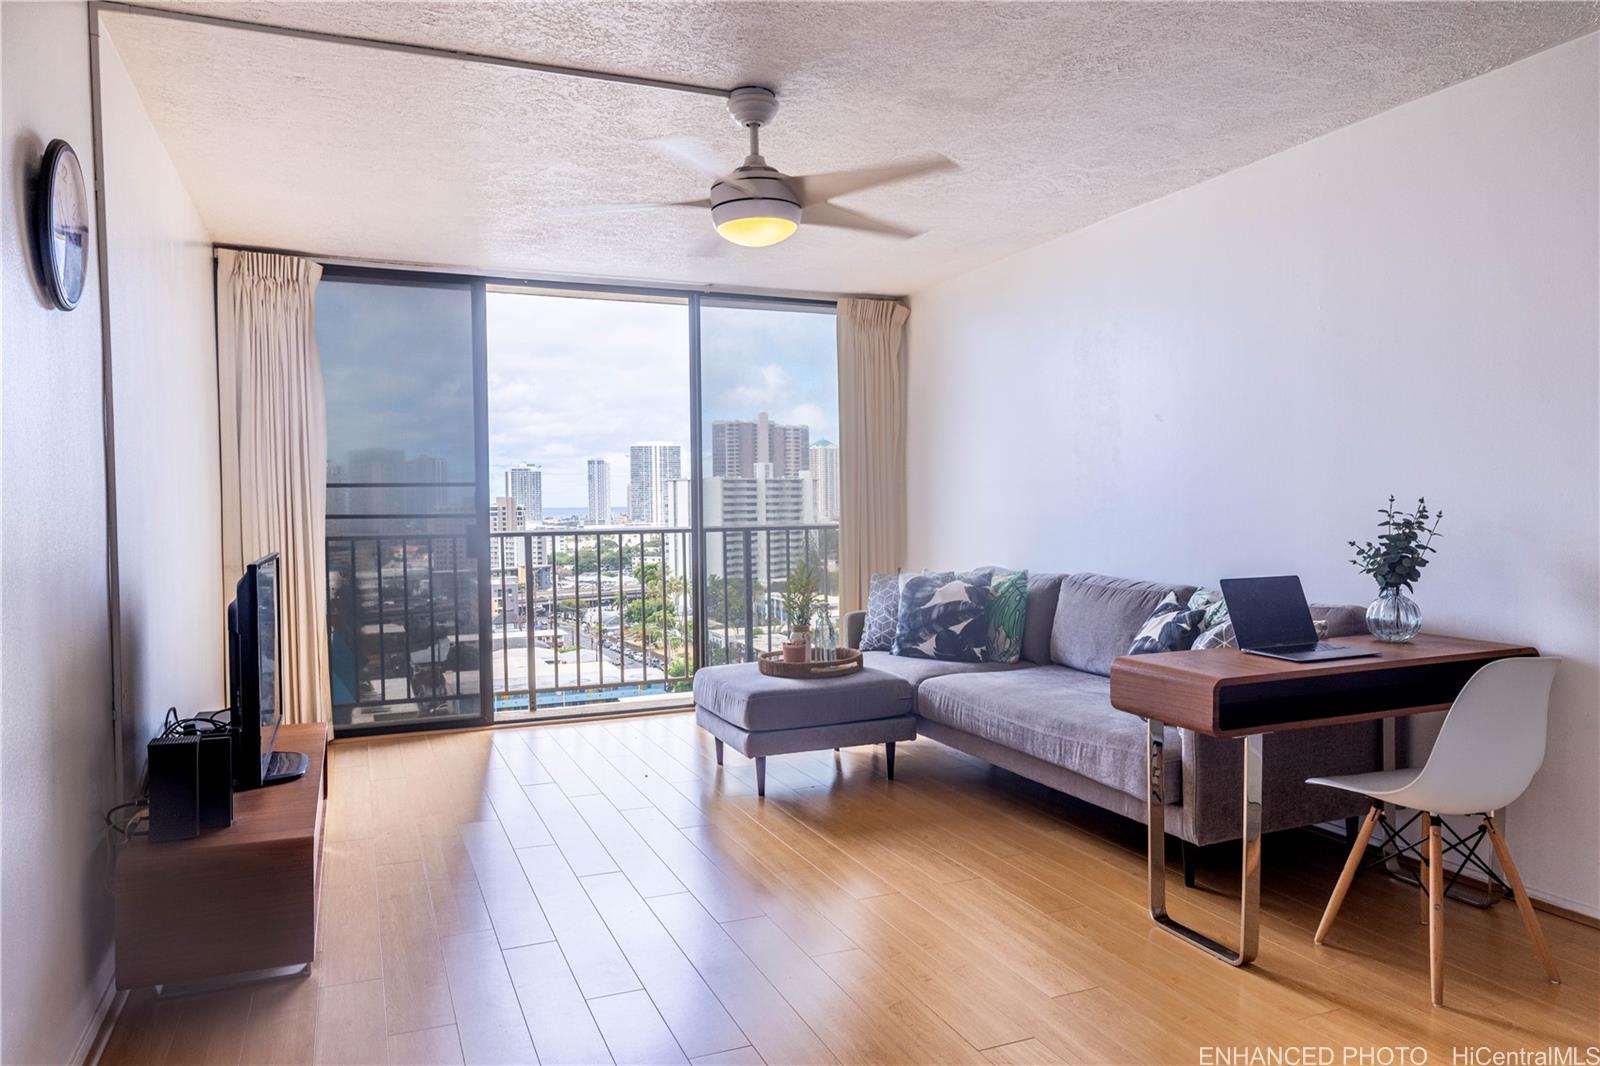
(681, 810)
(282, 1026)
(1022, 1053)
(513, 909)
(519, 758)
(426, 1047)
(727, 894)
(522, 823)
(595, 960)
(415, 990)
(489, 1018)
(743, 1056)
(697, 1019)
(564, 1032)
(348, 939)
(583, 850)
(599, 770)
(208, 1029)
(566, 773)
(775, 1029)
(351, 1025)
(627, 849)
(634, 1032)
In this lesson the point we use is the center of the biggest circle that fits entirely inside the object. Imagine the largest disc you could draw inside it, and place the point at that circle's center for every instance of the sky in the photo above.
(572, 379)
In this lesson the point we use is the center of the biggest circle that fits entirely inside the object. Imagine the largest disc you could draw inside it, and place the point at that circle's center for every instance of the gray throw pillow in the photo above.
(883, 613)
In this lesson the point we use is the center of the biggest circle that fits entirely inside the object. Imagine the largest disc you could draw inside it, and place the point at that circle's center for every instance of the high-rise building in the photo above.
(761, 501)
(651, 466)
(737, 447)
(599, 492)
(825, 480)
(505, 516)
(525, 484)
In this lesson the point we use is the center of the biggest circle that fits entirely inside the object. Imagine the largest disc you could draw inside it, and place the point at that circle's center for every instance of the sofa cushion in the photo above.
(1060, 716)
(916, 671)
(1043, 592)
(1344, 619)
(741, 694)
(1097, 618)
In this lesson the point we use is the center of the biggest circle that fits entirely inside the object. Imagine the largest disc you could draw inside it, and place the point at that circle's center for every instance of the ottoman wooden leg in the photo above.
(761, 775)
(889, 758)
(719, 753)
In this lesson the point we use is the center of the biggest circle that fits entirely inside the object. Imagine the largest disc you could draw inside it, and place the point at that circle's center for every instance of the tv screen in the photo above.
(253, 666)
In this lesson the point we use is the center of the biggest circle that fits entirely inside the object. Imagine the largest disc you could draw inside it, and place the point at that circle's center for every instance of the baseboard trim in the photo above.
(92, 1044)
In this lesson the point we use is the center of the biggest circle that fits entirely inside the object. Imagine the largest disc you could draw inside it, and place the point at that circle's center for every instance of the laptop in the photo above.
(1270, 617)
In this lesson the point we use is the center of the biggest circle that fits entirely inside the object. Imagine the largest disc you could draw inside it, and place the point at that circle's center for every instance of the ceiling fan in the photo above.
(757, 206)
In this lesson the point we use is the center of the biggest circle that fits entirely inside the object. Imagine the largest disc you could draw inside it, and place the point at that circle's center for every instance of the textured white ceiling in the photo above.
(1059, 114)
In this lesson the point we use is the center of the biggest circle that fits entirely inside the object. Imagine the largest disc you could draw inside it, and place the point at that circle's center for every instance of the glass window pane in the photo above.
(590, 546)
(770, 409)
(397, 368)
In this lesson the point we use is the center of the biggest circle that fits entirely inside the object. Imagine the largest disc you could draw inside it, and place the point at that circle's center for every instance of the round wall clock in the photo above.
(63, 226)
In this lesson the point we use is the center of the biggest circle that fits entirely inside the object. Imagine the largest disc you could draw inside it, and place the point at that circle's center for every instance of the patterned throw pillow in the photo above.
(883, 613)
(1171, 627)
(1211, 602)
(944, 616)
(1221, 636)
(1008, 613)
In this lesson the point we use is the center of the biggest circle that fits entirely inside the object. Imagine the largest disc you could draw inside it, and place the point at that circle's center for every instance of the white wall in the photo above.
(164, 376)
(55, 694)
(1231, 379)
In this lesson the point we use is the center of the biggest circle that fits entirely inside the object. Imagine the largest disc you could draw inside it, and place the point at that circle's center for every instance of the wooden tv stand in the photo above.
(230, 901)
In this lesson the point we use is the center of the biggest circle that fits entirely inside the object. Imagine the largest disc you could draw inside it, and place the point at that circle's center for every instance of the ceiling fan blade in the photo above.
(815, 188)
(697, 157)
(586, 210)
(836, 217)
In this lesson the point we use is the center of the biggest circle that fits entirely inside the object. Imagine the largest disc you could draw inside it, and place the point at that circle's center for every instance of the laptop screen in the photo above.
(1268, 612)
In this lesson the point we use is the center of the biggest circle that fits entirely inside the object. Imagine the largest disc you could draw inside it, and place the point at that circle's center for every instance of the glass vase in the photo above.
(1393, 616)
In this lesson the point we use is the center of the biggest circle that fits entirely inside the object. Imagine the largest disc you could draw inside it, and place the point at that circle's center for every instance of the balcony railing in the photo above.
(581, 619)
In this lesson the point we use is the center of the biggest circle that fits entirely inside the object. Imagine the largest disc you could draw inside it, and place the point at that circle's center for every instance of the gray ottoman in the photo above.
(761, 715)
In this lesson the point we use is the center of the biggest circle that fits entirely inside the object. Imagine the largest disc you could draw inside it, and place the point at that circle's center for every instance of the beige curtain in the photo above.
(872, 444)
(274, 455)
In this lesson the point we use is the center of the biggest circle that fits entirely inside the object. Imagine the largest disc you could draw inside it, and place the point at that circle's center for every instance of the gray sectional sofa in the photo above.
(1049, 717)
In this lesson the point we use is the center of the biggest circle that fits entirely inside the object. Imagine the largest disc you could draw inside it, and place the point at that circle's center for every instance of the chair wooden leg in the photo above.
(1524, 904)
(1435, 912)
(1357, 851)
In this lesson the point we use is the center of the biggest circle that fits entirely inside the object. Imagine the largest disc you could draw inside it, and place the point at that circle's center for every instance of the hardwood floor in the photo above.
(603, 892)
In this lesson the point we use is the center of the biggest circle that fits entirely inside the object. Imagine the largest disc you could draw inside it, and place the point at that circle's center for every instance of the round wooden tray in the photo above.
(848, 662)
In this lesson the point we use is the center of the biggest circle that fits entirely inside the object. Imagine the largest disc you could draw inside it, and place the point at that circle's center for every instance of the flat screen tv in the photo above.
(253, 680)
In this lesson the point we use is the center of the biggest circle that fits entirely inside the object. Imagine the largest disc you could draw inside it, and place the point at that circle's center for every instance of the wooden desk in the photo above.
(233, 900)
(1224, 692)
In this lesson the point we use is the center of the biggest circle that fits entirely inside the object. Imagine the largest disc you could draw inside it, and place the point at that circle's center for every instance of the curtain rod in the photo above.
(591, 282)
(378, 44)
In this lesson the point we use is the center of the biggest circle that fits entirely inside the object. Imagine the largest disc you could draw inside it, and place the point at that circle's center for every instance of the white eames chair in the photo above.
(1490, 746)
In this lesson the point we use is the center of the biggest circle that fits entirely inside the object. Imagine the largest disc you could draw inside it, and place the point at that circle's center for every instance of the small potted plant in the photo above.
(1395, 562)
(799, 604)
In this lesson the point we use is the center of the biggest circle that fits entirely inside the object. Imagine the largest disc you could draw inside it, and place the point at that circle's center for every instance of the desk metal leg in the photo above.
(1250, 879)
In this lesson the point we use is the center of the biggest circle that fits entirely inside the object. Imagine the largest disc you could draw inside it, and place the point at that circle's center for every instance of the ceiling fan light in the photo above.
(757, 232)
(756, 222)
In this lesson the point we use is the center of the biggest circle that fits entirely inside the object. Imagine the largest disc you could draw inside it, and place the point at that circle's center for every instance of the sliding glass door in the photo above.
(555, 500)
(407, 533)
(769, 388)
(591, 544)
